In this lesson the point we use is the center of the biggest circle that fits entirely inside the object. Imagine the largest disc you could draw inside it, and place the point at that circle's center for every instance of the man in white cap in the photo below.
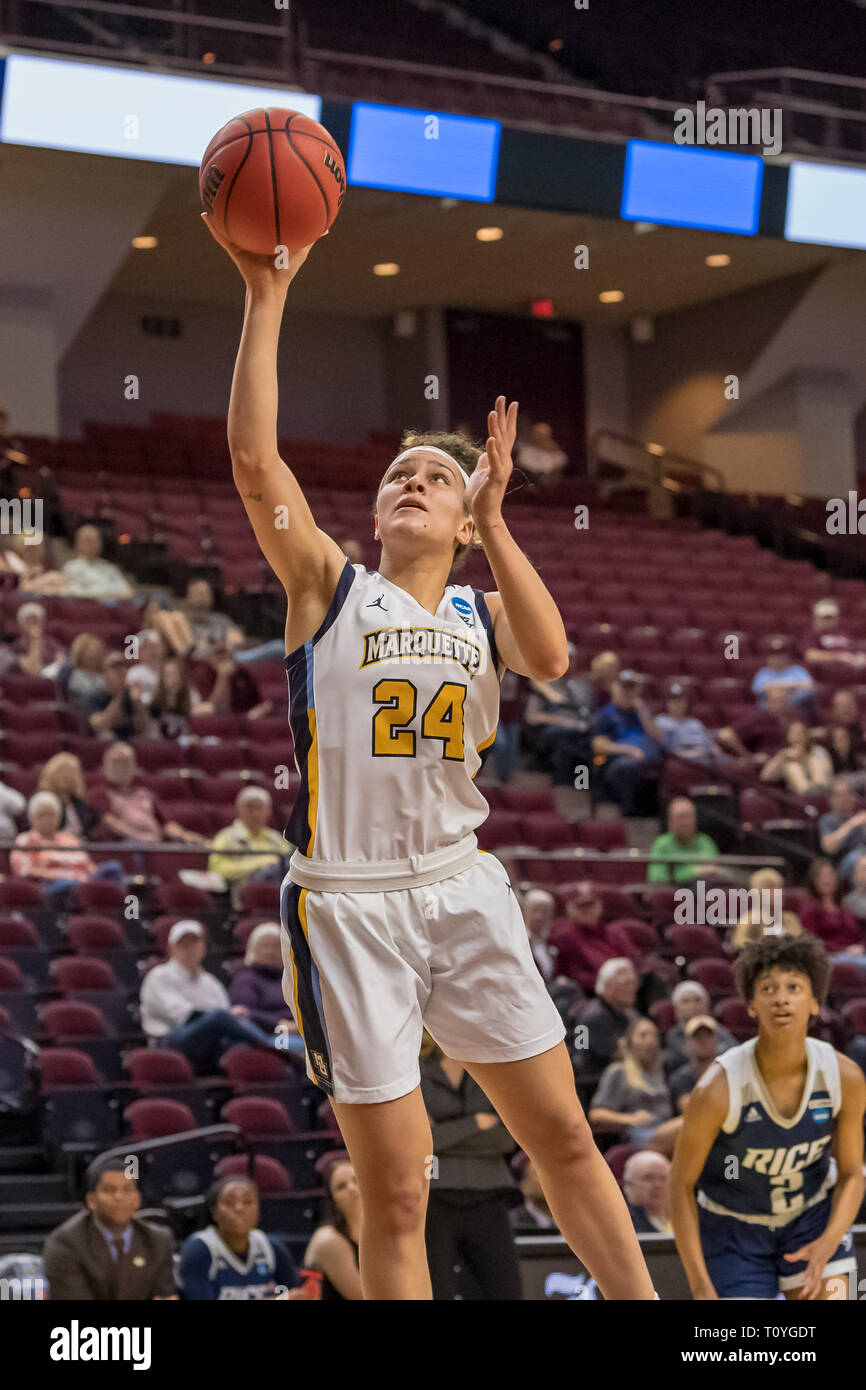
(186, 1008)
(828, 641)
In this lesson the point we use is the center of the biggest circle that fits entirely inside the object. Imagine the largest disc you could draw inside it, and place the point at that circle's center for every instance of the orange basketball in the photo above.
(272, 178)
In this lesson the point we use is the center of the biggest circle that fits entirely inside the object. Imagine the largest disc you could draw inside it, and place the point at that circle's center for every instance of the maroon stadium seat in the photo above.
(246, 1066)
(82, 972)
(694, 942)
(663, 1015)
(10, 974)
(617, 1156)
(65, 1019)
(734, 1015)
(100, 896)
(257, 1116)
(716, 976)
(65, 1066)
(91, 932)
(153, 1119)
(158, 1066)
(268, 1174)
(847, 981)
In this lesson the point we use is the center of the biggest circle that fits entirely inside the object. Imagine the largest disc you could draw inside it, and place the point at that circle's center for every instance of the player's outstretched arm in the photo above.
(702, 1120)
(529, 631)
(304, 559)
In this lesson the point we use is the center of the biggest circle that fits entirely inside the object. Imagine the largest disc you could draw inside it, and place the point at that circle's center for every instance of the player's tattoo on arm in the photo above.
(252, 497)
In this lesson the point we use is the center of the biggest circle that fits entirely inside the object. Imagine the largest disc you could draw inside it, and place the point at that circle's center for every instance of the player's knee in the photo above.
(563, 1141)
(398, 1208)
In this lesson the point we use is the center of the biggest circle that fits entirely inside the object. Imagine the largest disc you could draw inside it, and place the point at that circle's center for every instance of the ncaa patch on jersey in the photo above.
(820, 1109)
(463, 609)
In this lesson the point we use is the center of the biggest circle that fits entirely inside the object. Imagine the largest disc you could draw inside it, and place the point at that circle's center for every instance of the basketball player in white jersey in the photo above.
(768, 1171)
(392, 917)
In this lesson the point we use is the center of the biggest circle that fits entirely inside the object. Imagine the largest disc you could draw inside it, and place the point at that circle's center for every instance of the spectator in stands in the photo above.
(128, 809)
(107, 1253)
(828, 641)
(842, 829)
(682, 841)
(753, 924)
(33, 565)
(116, 711)
(209, 628)
(682, 735)
(142, 677)
(825, 918)
(228, 687)
(513, 697)
(622, 735)
(263, 848)
(540, 456)
(690, 1000)
(175, 699)
(12, 807)
(856, 899)
(88, 575)
(258, 984)
(803, 765)
(633, 1094)
(534, 1214)
(845, 748)
(38, 654)
(64, 776)
(701, 1035)
(582, 943)
(84, 676)
(606, 1018)
(538, 914)
(844, 713)
(603, 671)
(333, 1247)
(646, 1185)
(468, 1231)
(781, 671)
(55, 856)
(186, 1008)
(562, 712)
(760, 735)
(232, 1258)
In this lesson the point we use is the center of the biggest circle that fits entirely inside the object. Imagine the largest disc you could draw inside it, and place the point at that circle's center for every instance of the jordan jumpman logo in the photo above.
(377, 603)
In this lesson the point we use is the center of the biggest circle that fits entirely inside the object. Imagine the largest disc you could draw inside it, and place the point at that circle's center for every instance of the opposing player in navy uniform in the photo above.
(768, 1169)
(392, 916)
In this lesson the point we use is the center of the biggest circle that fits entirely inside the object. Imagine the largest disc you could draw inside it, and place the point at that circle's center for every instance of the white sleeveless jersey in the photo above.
(390, 708)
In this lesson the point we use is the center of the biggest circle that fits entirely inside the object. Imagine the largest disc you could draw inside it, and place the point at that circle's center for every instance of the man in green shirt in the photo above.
(681, 840)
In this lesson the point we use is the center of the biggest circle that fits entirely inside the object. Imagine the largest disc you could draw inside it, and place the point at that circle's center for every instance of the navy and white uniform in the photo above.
(210, 1269)
(767, 1184)
(392, 916)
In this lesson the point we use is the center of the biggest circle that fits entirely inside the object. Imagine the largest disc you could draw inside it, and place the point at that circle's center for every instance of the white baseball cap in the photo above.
(186, 928)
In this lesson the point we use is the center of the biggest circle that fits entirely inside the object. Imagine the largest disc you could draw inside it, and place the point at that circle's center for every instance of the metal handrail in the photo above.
(658, 462)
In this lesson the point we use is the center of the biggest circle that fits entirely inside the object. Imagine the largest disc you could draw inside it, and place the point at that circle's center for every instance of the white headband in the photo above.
(431, 449)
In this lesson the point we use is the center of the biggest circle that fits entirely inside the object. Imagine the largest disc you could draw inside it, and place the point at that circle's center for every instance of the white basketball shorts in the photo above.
(364, 972)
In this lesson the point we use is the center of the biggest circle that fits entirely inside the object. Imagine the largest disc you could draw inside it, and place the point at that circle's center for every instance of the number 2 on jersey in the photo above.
(442, 719)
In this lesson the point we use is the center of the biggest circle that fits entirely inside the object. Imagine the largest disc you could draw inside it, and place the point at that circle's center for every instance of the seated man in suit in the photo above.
(106, 1253)
(646, 1184)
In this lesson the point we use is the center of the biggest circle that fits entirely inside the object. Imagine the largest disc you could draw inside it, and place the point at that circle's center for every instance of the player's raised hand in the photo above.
(488, 482)
(259, 270)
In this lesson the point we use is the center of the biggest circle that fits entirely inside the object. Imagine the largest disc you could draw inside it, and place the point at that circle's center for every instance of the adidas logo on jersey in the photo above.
(753, 1113)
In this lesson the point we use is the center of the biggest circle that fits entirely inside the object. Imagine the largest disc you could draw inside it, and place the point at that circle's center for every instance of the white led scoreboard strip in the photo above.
(826, 205)
(97, 108)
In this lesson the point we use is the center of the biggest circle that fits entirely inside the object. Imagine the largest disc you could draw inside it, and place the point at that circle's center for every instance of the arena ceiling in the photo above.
(441, 261)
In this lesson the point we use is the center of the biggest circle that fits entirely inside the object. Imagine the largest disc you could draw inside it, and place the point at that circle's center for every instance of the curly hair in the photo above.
(805, 954)
(467, 453)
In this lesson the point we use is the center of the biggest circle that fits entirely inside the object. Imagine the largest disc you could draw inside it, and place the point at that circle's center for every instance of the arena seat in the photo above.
(716, 976)
(258, 1118)
(82, 973)
(734, 1015)
(155, 1119)
(268, 1174)
(694, 942)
